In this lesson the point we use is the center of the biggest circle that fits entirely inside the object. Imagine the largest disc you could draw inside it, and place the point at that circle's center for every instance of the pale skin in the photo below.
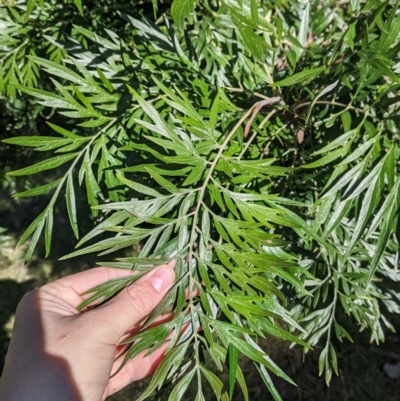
(58, 353)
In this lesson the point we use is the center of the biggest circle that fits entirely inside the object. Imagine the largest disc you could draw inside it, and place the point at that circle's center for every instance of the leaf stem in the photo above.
(332, 103)
(71, 168)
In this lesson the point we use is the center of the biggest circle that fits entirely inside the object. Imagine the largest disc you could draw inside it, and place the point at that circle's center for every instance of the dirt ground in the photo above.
(361, 376)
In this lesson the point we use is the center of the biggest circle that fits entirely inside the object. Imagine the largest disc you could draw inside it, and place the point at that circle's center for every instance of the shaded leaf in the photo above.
(44, 165)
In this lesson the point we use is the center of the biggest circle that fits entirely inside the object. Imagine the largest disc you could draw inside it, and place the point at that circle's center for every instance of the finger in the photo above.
(133, 303)
(140, 367)
(71, 287)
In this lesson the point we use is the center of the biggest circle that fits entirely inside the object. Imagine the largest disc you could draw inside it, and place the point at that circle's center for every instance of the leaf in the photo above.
(391, 205)
(102, 292)
(43, 189)
(199, 395)
(345, 179)
(303, 76)
(254, 43)
(48, 230)
(180, 10)
(252, 351)
(274, 330)
(205, 227)
(323, 92)
(161, 127)
(195, 175)
(242, 383)
(112, 245)
(29, 8)
(216, 196)
(63, 72)
(339, 141)
(332, 353)
(71, 205)
(389, 37)
(32, 227)
(382, 66)
(214, 112)
(34, 141)
(215, 382)
(78, 4)
(138, 187)
(105, 80)
(346, 120)
(181, 103)
(163, 182)
(147, 30)
(50, 99)
(180, 388)
(169, 363)
(39, 224)
(44, 165)
(360, 151)
(64, 132)
(337, 216)
(355, 4)
(351, 192)
(93, 190)
(322, 360)
(303, 30)
(233, 358)
(329, 158)
(268, 382)
(342, 332)
(115, 219)
(254, 11)
(85, 102)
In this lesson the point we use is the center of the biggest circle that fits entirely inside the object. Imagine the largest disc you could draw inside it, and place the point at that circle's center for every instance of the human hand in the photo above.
(58, 353)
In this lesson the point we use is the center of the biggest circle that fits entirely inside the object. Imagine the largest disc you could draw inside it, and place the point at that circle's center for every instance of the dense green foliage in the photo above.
(255, 142)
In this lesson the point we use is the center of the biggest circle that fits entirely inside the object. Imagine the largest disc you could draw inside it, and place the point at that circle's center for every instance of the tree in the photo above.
(255, 142)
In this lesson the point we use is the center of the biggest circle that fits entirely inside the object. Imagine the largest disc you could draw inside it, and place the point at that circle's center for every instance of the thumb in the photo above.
(133, 303)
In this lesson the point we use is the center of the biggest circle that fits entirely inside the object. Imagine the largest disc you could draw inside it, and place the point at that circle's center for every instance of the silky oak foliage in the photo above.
(253, 141)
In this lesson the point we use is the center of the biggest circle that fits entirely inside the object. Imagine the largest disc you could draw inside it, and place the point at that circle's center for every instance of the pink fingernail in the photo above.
(162, 278)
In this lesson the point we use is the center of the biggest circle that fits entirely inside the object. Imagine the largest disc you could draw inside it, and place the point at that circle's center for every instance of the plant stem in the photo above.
(332, 103)
(194, 226)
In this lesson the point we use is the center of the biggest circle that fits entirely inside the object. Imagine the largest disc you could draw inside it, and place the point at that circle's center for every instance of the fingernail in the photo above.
(162, 278)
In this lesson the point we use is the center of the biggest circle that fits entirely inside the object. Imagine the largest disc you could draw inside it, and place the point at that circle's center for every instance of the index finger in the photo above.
(71, 288)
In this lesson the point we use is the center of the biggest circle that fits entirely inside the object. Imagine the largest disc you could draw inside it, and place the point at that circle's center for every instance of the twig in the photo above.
(332, 103)
(192, 241)
(256, 108)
